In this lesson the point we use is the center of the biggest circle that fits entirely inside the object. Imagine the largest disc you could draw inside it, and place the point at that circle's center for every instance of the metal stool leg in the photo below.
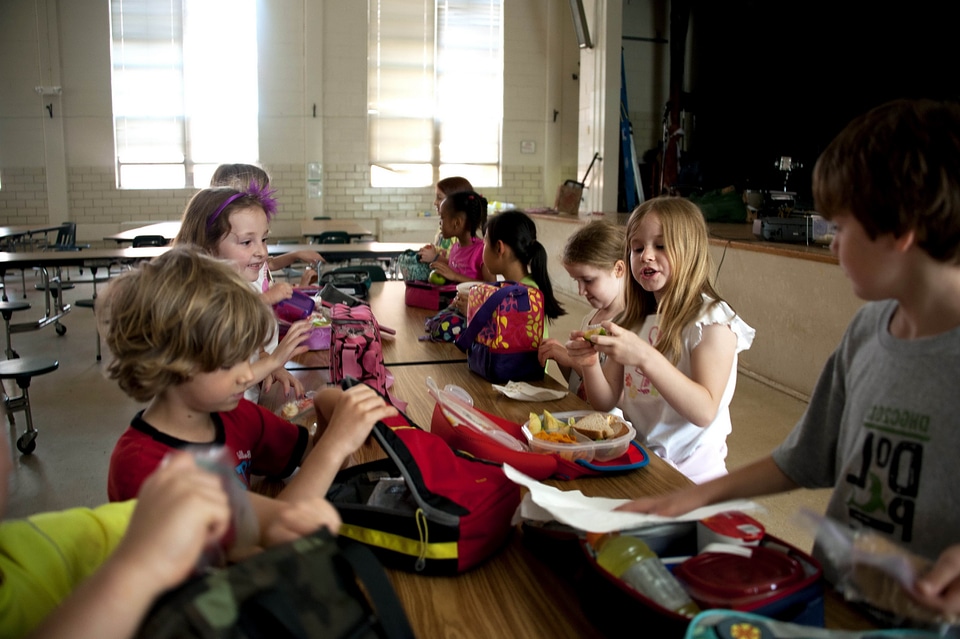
(27, 442)
(91, 304)
(22, 371)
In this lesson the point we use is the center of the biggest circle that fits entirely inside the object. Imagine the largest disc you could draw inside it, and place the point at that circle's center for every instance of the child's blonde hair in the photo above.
(687, 247)
(181, 314)
(598, 244)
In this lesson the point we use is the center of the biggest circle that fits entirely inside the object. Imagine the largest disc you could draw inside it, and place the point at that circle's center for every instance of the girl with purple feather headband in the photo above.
(233, 225)
(249, 177)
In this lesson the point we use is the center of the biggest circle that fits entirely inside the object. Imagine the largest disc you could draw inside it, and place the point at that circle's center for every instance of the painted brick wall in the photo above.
(23, 196)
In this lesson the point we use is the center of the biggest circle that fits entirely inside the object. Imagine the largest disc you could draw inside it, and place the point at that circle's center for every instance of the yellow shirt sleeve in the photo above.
(44, 557)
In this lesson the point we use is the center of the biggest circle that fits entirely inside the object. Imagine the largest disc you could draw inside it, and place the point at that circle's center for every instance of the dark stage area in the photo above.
(772, 79)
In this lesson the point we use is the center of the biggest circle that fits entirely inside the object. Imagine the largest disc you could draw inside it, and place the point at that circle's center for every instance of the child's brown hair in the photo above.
(180, 314)
(896, 169)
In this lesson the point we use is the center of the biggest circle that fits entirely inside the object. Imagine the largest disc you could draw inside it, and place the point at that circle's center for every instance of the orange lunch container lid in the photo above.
(728, 580)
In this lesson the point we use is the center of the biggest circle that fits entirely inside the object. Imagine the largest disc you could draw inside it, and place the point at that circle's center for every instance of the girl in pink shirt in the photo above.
(462, 215)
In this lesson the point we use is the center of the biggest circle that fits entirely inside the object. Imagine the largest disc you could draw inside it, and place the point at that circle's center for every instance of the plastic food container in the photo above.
(319, 339)
(725, 580)
(731, 527)
(298, 307)
(585, 448)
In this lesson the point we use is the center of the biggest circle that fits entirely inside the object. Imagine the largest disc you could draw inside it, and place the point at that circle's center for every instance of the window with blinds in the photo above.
(184, 89)
(435, 91)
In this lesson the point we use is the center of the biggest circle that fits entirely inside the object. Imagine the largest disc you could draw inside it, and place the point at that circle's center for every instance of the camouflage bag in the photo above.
(308, 588)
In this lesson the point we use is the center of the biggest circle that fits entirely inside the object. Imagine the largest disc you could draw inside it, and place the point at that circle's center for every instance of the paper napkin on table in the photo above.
(597, 514)
(528, 392)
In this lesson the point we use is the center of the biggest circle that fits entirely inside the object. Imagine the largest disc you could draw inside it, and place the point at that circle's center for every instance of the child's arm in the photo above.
(349, 416)
(272, 363)
(762, 477)
(939, 589)
(286, 379)
(603, 384)
(180, 509)
(282, 521)
(444, 269)
(696, 398)
(553, 349)
(285, 260)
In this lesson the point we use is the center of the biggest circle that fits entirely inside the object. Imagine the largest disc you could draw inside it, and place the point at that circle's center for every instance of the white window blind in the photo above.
(184, 89)
(435, 91)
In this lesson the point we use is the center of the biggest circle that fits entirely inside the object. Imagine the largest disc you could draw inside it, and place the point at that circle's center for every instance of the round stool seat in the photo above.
(87, 303)
(20, 369)
(7, 309)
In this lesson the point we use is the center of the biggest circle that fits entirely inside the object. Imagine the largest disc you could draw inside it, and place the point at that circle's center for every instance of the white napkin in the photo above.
(529, 393)
(597, 514)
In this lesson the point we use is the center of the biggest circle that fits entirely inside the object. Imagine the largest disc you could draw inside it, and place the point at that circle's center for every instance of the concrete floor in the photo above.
(80, 414)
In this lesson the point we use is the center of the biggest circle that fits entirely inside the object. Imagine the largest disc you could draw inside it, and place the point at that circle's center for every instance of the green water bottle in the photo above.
(631, 560)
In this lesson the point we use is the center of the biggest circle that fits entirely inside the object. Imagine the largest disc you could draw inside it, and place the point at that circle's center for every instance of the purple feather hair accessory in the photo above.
(262, 194)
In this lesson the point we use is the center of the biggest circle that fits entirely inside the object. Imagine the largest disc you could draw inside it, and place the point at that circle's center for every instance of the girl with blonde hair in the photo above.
(672, 356)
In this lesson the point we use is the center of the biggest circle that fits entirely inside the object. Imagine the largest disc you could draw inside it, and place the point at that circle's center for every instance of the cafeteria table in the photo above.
(166, 230)
(404, 347)
(515, 593)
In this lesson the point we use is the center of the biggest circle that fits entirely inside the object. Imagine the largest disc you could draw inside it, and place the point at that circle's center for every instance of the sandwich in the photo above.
(598, 426)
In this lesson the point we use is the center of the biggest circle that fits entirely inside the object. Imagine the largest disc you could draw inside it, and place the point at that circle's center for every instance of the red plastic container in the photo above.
(739, 582)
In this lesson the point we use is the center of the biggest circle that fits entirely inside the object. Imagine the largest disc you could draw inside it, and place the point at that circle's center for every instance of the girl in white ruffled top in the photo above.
(671, 361)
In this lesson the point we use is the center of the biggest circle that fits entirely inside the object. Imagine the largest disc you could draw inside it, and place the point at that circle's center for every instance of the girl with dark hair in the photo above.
(511, 249)
(441, 245)
(462, 215)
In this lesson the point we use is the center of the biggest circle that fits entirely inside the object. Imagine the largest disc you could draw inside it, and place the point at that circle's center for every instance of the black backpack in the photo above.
(307, 588)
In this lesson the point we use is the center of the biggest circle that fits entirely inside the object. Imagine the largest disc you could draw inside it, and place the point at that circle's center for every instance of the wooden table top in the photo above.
(352, 251)
(405, 347)
(167, 230)
(72, 258)
(504, 596)
(514, 593)
(19, 230)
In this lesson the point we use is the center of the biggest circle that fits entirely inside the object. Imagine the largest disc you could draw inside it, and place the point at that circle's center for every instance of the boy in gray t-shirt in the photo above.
(882, 426)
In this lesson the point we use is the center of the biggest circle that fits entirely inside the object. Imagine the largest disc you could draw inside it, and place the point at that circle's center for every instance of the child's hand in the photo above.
(277, 292)
(180, 510)
(283, 377)
(670, 505)
(427, 253)
(939, 589)
(553, 349)
(309, 277)
(444, 269)
(624, 346)
(301, 518)
(310, 257)
(354, 415)
(580, 351)
(460, 302)
(293, 342)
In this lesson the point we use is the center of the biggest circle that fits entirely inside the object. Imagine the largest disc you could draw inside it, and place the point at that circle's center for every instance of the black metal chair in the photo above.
(149, 240)
(67, 239)
(333, 237)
